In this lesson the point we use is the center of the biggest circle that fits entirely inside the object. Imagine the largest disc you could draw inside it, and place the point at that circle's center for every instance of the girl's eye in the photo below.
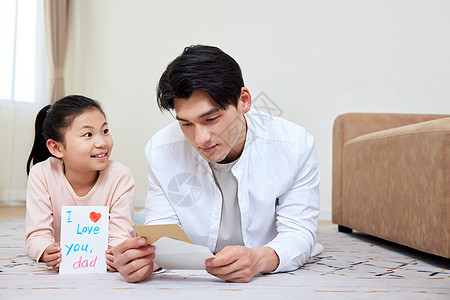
(87, 134)
(106, 131)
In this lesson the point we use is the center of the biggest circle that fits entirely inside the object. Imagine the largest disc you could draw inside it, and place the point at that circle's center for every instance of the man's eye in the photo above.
(186, 124)
(212, 119)
(87, 134)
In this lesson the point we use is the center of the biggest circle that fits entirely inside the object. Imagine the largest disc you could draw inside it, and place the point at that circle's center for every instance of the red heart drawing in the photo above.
(95, 216)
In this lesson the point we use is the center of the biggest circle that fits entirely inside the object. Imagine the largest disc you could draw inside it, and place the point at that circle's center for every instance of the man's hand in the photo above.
(52, 256)
(241, 264)
(133, 258)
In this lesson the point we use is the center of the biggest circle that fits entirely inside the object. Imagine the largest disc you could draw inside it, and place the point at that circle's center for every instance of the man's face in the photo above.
(217, 134)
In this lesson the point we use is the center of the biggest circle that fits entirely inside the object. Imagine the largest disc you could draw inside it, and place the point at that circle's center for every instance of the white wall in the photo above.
(315, 59)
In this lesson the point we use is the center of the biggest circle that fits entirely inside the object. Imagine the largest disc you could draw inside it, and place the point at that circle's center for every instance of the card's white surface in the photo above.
(178, 255)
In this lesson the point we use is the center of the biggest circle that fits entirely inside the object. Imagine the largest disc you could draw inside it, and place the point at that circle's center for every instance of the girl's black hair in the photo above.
(201, 67)
(52, 120)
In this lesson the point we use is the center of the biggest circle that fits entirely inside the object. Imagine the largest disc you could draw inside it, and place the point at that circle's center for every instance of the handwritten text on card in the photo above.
(84, 239)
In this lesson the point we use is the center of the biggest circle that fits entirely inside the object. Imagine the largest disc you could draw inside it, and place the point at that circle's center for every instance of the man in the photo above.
(238, 181)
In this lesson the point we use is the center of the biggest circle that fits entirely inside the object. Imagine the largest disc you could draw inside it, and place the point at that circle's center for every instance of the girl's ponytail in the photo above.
(39, 152)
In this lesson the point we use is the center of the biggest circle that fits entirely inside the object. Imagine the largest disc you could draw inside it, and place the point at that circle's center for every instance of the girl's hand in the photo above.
(52, 256)
(110, 260)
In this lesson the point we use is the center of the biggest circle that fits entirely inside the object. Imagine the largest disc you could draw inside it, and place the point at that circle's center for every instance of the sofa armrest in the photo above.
(351, 125)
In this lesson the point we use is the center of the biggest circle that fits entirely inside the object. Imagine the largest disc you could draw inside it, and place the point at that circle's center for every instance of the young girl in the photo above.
(71, 166)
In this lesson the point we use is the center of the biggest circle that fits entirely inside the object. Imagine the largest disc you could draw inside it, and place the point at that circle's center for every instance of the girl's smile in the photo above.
(102, 155)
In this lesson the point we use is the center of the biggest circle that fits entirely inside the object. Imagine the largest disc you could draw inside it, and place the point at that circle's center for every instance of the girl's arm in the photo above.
(39, 215)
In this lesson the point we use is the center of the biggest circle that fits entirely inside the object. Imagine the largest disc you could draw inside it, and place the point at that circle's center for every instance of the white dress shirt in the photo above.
(278, 188)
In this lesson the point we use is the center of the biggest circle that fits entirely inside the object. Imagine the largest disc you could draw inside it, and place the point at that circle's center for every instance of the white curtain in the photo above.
(17, 127)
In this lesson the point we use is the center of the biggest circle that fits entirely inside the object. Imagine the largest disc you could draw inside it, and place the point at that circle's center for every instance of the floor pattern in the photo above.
(352, 266)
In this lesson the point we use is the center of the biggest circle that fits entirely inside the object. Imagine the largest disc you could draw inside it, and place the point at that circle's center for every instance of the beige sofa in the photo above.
(391, 178)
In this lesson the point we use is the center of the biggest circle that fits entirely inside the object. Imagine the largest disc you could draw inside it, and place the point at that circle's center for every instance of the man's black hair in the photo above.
(201, 67)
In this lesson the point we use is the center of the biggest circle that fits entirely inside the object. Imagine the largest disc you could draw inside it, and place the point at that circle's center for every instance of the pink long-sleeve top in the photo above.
(48, 190)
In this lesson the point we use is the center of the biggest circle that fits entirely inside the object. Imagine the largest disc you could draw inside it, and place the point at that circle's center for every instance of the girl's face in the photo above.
(88, 143)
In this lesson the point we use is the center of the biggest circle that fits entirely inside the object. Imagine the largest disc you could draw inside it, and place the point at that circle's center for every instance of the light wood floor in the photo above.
(12, 212)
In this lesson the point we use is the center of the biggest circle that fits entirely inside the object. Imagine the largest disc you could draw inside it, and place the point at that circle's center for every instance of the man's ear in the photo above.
(246, 100)
(55, 148)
